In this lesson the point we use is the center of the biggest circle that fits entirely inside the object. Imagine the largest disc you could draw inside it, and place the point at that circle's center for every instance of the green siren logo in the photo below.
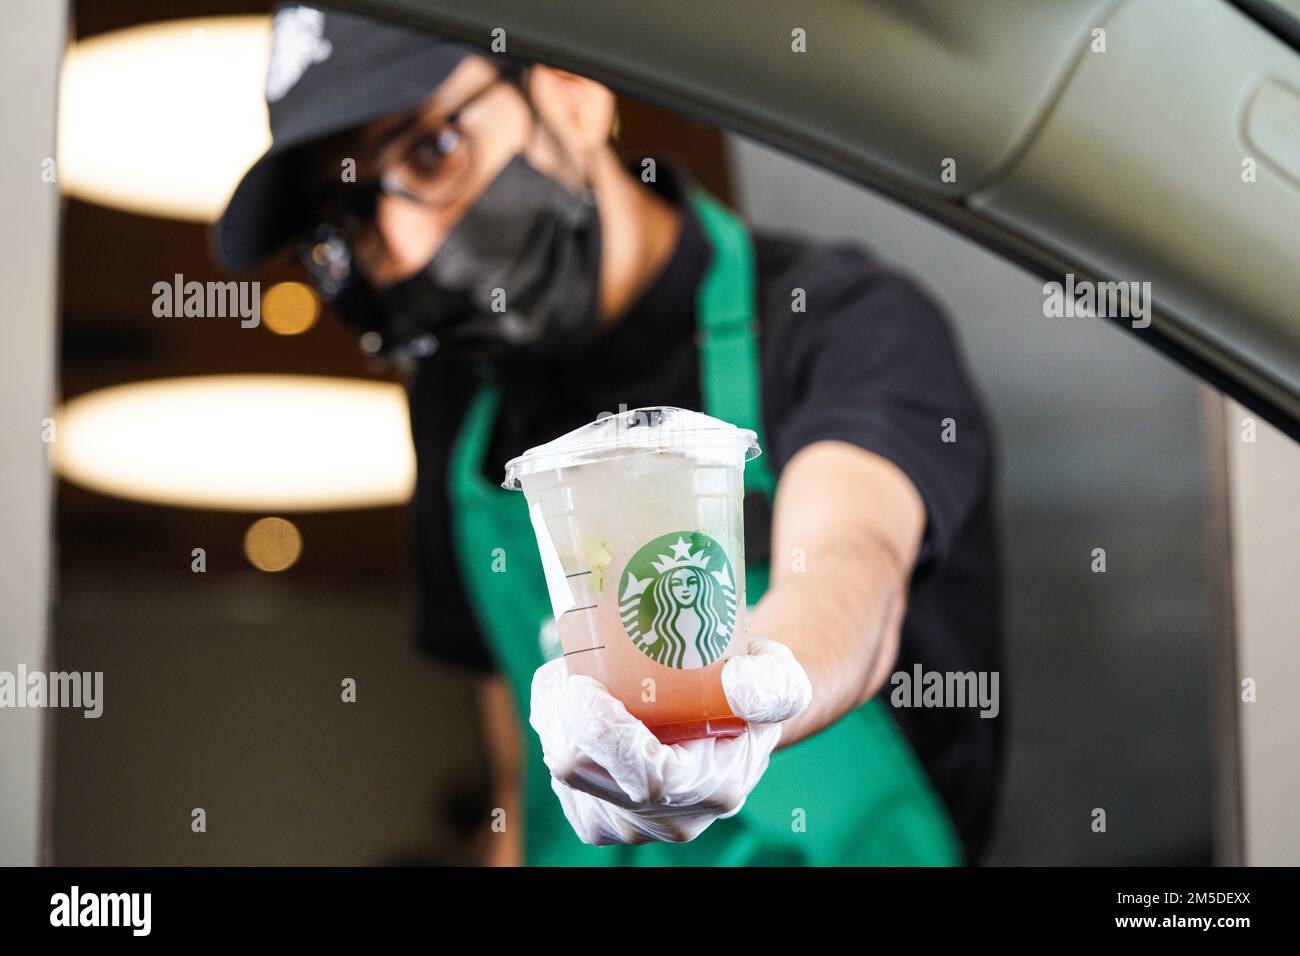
(677, 600)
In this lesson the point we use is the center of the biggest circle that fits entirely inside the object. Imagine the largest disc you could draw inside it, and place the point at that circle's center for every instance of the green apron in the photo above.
(854, 794)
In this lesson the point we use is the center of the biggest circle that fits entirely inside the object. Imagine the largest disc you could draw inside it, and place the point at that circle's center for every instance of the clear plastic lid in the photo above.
(660, 429)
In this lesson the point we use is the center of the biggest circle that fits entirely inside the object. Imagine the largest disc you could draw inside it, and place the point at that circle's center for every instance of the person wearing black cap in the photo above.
(470, 215)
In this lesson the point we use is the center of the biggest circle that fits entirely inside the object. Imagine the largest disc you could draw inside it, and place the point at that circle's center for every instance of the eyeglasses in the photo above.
(427, 160)
(431, 160)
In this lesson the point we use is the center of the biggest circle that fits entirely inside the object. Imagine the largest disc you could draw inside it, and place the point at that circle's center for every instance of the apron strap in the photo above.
(726, 306)
(727, 335)
(471, 446)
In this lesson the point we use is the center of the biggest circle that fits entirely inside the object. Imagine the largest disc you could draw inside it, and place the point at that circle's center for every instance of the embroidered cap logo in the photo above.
(297, 41)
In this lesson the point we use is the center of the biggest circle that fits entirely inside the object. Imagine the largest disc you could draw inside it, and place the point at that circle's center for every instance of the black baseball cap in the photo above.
(328, 72)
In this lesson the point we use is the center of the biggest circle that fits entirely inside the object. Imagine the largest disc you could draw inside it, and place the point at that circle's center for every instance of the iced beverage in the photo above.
(639, 522)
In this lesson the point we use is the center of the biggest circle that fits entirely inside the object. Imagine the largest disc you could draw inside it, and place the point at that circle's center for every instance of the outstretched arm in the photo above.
(847, 526)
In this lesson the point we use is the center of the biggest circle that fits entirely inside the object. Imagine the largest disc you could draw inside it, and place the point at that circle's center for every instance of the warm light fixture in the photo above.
(241, 442)
(290, 308)
(163, 119)
(272, 544)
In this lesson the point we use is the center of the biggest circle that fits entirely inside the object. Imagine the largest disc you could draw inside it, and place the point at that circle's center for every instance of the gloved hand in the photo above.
(618, 784)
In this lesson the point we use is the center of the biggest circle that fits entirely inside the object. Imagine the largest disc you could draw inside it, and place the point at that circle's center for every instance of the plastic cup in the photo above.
(639, 521)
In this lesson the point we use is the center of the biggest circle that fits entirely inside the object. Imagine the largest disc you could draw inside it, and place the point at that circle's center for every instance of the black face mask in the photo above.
(518, 276)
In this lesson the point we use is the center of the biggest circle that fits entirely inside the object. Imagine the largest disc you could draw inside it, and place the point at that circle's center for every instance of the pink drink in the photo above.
(639, 522)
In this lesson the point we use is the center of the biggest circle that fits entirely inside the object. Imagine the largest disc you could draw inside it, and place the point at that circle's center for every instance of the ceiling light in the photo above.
(164, 118)
(241, 442)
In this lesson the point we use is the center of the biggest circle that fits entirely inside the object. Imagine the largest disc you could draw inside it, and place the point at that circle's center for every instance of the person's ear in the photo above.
(579, 110)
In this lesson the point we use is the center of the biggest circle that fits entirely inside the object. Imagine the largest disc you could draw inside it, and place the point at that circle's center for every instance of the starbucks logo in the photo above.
(677, 599)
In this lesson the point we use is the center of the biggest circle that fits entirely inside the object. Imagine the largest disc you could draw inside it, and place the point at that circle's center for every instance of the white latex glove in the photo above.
(618, 784)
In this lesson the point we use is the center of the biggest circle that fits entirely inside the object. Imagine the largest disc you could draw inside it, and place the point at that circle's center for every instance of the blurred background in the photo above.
(1106, 683)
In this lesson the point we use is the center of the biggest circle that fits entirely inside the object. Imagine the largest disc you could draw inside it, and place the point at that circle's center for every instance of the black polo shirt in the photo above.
(871, 361)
